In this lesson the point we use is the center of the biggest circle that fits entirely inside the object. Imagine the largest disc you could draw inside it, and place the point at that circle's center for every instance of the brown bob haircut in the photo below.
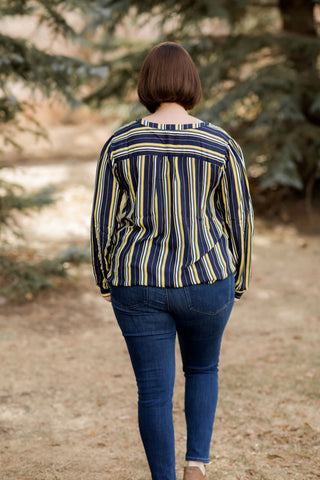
(168, 74)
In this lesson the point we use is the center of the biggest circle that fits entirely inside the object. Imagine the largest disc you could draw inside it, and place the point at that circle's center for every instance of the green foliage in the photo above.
(14, 198)
(260, 82)
(37, 71)
(41, 74)
(40, 71)
(21, 280)
(51, 74)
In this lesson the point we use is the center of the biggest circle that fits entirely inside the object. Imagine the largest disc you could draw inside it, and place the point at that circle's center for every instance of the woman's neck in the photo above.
(170, 113)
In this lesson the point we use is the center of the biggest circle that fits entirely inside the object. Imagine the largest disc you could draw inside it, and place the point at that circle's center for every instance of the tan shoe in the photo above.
(193, 473)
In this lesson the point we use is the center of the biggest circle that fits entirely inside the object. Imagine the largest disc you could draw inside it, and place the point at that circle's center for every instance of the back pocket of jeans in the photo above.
(130, 298)
(211, 299)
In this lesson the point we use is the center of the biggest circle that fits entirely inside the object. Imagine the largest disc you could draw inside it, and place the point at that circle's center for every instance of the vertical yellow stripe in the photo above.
(154, 214)
(99, 183)
(141, 173)
(240, 270)
(168, 202)
(226, 204)
(99, 198)
(236, 183)
(178, 215)
(193, 192)
(221, 260)
(167, 209)
(205, 194)
(139, 211)
(126, 236)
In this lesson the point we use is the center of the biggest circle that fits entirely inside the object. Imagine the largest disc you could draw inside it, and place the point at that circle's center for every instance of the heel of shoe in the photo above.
(193, 473)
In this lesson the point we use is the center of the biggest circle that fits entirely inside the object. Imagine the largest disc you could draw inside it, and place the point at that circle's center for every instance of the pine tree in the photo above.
(258, 65)
(22, 62)
(43, 72)
(38, 71)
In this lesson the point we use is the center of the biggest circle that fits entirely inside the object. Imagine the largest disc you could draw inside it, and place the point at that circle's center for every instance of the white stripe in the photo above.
(192, 210)
(176, 221)
(166, 218)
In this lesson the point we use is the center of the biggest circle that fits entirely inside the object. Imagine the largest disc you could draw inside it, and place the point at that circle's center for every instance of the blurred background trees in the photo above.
(259, 62)
(29, 72)
(259, 65)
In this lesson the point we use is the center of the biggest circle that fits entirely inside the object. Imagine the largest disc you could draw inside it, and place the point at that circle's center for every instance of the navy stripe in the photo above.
(186, 215)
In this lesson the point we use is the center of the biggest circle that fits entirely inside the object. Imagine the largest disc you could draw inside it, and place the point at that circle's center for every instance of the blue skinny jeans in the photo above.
(150, 318)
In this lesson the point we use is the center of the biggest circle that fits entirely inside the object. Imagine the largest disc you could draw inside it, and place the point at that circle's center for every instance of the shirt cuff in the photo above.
(238, 294)
(105, 292)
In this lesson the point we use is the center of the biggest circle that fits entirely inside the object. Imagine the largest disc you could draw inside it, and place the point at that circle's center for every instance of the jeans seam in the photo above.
(129, 307)
(212, 314)
(150, 334)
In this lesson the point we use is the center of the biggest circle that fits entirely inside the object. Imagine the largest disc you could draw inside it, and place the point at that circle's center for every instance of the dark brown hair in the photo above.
(168, 74)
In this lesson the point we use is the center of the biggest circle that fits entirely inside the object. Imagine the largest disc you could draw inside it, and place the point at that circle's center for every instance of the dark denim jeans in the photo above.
(149, 318)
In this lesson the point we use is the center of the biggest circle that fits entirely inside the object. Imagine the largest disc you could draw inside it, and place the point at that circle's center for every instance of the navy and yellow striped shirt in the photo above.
(171, 208)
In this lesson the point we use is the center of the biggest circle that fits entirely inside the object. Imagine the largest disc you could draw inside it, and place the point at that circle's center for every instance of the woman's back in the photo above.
(183, 213)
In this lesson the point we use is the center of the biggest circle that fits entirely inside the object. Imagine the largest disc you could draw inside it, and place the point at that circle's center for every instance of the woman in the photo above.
(171, 243)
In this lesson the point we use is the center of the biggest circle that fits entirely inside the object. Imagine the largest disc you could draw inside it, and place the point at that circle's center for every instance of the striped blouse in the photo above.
(171, 208)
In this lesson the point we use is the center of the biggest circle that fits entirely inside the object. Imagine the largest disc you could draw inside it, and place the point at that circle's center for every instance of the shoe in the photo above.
(193, 473)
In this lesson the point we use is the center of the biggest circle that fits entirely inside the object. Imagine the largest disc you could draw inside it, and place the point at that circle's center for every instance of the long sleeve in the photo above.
(106, 204)
(238, 213)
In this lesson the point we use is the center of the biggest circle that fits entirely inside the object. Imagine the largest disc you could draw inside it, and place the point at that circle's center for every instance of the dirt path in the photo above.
(67, 393)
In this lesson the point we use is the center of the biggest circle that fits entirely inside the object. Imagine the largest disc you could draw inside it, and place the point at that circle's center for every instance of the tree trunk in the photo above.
(298, 22)
(298, 17)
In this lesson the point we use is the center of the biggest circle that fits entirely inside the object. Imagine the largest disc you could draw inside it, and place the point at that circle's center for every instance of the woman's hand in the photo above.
(108, 299)
(236, 300)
